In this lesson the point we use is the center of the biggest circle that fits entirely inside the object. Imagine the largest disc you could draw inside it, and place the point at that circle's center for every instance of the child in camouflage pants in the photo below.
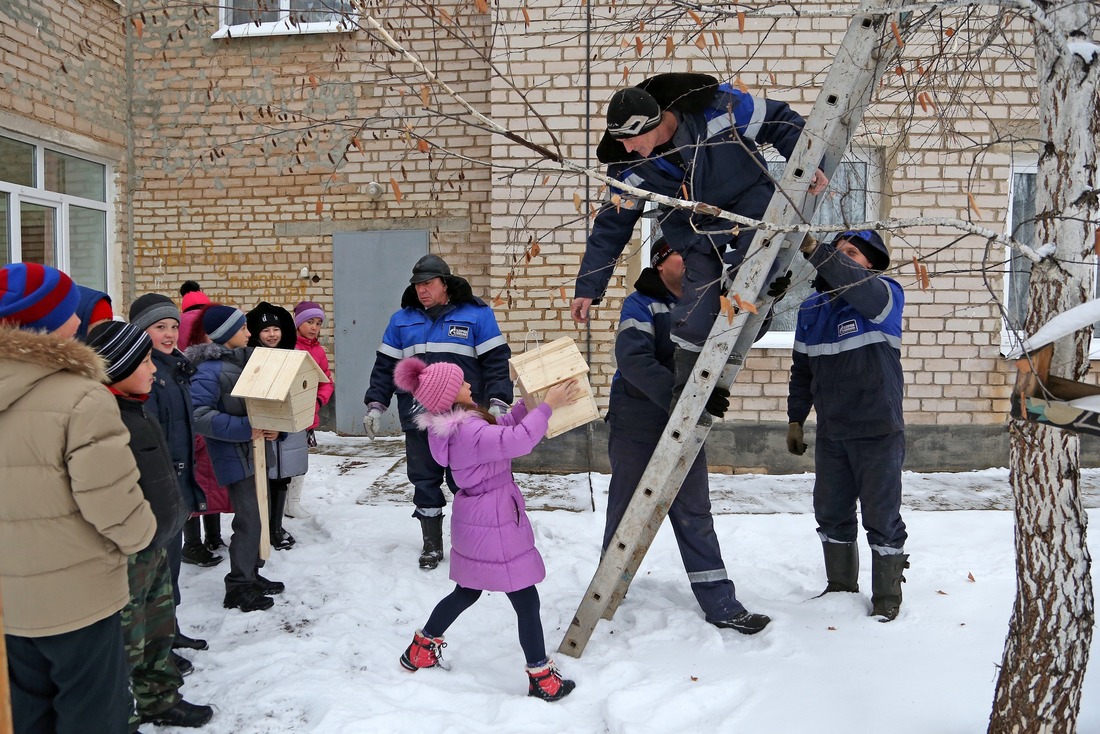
(149, 619)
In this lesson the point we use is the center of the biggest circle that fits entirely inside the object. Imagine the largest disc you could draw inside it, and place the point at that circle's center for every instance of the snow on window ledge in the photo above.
(285, 28)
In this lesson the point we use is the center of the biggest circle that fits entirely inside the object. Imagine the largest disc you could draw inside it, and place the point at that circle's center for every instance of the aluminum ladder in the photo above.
(860, 61)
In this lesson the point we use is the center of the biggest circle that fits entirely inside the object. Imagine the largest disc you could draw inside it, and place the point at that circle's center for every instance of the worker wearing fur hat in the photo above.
(847, 367)
(686, 135)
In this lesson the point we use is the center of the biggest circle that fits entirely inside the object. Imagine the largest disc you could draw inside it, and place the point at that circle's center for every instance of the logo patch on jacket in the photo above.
(458, 332)
(847, 327)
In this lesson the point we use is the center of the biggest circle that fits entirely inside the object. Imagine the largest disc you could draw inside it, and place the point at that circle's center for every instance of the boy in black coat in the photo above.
(149, 619)
(170, 405)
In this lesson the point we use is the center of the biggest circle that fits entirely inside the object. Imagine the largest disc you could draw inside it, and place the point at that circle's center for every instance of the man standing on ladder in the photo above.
(687, 136)
(641, 393)
(440, 320)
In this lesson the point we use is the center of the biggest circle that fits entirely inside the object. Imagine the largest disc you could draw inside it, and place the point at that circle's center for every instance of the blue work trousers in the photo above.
(426, 475)
(863, 469)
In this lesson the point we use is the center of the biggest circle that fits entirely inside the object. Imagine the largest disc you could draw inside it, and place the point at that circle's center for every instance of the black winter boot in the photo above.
(212, 527)
(841, 567)
(197, 555)
(182, 641)
(886, 580)
(747, 623)
(247, 599)
(280, 538)
(183, 714)
(432, 529)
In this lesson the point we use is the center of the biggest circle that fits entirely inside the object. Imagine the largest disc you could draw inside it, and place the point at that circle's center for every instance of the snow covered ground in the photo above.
(324, 659)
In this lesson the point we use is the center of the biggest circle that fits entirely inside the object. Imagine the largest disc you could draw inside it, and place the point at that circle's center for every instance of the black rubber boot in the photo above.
(886, 580)
(841, 567)
(432, 554)
(280, 539)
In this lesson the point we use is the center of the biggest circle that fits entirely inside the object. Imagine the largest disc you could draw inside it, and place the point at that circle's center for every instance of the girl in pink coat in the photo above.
(492, 543)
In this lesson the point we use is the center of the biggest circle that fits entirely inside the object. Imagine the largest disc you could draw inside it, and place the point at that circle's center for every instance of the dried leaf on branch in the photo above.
(973, 204)
(726, 307)
(745, 305)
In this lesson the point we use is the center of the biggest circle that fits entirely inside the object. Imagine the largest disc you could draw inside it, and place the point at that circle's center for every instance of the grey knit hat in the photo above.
(151, 308)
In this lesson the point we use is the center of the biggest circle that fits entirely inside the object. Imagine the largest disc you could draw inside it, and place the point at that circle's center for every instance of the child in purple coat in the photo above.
(492, 542)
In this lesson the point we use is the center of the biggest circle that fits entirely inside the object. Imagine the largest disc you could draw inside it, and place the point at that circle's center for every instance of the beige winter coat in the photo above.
(70, 506)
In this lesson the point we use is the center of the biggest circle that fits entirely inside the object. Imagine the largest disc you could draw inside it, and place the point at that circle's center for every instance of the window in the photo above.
(1021, 218)
(54, 210)
(239, 18)
(852, 198)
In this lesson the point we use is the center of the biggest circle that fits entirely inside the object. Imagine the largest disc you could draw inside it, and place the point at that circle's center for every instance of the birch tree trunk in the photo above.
(1047, 648)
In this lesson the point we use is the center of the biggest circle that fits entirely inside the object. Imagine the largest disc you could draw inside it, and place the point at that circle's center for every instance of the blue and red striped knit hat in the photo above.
(36, 297)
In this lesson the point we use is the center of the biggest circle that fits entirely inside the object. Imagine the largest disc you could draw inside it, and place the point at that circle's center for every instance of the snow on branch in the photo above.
(1033, 10)
(1062, 325)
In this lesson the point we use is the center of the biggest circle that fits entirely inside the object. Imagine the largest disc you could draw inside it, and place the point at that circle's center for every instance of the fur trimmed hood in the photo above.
(45, 354)
(199, 353)
(446, 424)
(458, 291)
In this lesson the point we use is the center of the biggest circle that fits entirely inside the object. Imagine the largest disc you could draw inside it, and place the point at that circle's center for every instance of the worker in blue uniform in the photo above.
(641, 393)
(440, 320)
(846, 366)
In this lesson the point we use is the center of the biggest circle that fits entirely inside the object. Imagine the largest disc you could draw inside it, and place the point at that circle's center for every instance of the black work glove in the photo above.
(779, 286)
(718, 402)
(795, 443)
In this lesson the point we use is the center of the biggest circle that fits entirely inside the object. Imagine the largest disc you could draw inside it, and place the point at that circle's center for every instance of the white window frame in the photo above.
(1010, 339)
(39, 195)
(872, 158)
(347, 23)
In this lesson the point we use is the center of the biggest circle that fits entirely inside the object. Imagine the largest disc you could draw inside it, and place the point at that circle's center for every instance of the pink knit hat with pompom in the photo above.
(435, 386)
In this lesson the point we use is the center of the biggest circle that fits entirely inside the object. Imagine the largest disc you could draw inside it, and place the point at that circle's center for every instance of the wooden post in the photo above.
(259, 460)
(5, 686)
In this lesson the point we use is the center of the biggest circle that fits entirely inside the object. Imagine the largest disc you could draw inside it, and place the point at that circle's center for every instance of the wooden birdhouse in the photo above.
(1052, 401)
(1041, 398)
(279, 388)
(537, 370)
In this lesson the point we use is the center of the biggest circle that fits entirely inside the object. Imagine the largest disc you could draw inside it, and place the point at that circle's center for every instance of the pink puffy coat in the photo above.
(492, 542)
(324, 389)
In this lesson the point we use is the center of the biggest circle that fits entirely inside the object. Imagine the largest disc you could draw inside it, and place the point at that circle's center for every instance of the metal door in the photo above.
(371, 272)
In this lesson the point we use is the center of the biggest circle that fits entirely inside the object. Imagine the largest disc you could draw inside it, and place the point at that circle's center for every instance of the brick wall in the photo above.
(251, 152)
(63, 83)
(932, 159)
(254, 151)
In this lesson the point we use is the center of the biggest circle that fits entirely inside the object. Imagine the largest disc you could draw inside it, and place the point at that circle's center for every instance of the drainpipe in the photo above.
(128, 245)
